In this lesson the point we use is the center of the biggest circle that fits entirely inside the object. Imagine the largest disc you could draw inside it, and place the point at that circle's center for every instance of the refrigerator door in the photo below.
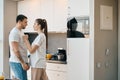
(78, 58)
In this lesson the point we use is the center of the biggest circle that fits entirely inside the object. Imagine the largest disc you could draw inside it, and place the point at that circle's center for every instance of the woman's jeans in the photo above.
(18, 71)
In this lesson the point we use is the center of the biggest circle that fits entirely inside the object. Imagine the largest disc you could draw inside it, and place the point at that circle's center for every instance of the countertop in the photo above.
(56, 61)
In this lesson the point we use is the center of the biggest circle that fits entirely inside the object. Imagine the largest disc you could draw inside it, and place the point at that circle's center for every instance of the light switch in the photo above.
(106, 64)
(98, 65)
(106, 17)
(107, 52)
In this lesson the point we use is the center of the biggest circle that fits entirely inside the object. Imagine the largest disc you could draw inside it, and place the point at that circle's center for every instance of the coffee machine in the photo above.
(61, 54)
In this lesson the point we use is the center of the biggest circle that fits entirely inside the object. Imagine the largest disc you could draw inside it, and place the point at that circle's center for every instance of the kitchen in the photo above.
(60, 22)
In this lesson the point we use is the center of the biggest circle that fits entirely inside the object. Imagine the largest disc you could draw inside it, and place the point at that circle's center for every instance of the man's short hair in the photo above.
(20, 18)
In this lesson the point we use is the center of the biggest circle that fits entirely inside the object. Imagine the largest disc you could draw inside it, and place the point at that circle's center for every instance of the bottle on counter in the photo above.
(1, 76)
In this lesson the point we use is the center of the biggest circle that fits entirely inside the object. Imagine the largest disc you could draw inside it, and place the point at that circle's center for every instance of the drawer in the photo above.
(57, 67)
(56, 75)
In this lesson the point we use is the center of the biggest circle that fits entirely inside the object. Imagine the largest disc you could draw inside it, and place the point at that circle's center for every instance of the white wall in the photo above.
(10, 12)
(104, 40)
(1, 35)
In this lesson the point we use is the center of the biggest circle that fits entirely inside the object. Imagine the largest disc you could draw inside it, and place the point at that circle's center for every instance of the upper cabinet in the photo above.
(78, 8)
(54, 11)
(47, 12)
(32, 9)
(60, 15)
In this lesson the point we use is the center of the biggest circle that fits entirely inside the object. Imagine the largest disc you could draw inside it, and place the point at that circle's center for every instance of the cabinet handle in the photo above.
(68, 52)
(58, 74)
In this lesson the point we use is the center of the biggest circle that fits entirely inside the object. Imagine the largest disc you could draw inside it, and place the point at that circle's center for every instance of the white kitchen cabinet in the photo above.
(78, 58)
(54, 11)
(32, 9)
(60, 15)
(47, 12)
(78, 8)
(56, 71)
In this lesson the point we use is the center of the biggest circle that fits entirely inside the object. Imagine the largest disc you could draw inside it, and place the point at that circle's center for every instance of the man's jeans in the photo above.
(18, 71)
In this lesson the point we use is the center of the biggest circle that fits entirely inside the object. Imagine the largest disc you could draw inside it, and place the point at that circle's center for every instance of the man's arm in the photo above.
(17, 53)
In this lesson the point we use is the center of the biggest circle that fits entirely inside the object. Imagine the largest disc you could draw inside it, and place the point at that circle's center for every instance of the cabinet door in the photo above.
(60, 15)
(78, 58)
(56, 75)
(55, 12)
(78, 7)
(57, 67)
(32, 9)
(47, 12)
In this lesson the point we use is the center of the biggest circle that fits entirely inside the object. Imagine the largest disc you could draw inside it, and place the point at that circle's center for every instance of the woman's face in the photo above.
(36, 26)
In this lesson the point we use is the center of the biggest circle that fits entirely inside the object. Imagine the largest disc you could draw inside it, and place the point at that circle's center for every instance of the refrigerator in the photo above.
(78, 58)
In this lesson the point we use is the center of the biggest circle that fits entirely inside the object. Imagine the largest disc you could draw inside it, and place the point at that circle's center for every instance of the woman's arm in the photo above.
(31, 49)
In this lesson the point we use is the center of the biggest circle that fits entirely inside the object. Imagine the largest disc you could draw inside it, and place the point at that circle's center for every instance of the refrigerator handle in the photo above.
(68, 52)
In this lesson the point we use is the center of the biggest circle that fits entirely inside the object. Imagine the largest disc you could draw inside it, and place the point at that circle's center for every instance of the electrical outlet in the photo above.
(107, 52)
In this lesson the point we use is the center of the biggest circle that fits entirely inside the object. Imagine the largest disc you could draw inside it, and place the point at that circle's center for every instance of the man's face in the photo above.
(24, 23)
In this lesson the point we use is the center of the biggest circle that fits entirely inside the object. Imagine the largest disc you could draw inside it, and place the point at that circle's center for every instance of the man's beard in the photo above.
(23, 27)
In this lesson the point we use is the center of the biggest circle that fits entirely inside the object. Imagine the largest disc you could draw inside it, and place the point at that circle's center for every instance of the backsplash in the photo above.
(56, 40)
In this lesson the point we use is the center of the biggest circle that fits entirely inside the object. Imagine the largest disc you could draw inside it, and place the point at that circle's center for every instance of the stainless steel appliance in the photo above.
(61, 54)
(77, 26)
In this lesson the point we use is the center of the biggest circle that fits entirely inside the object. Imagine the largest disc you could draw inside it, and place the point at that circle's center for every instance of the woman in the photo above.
(38, 51)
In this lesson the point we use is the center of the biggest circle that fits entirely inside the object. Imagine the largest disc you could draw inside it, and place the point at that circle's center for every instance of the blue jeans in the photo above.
(18, 71)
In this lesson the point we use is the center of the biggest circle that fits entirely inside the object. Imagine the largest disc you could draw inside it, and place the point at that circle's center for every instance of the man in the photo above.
(18, 59)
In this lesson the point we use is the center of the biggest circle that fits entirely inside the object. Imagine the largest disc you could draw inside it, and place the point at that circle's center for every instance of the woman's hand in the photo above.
(25, 37)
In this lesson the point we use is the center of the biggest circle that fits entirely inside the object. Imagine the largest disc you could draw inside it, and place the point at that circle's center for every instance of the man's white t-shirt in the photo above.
(37, 59)
(17, 36)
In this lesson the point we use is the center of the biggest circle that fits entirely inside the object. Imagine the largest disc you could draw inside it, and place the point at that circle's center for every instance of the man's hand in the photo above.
(25, 66)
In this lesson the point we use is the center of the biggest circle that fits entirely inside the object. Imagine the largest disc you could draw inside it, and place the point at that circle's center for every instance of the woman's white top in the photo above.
(38, 58)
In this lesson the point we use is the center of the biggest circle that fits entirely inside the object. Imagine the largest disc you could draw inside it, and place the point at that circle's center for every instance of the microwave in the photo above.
(78, 24)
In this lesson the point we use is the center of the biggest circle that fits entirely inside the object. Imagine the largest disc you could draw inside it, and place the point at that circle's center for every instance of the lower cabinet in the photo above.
(56, 71)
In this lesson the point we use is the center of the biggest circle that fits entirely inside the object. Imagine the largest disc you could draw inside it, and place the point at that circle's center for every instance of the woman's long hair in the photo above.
(43, 24)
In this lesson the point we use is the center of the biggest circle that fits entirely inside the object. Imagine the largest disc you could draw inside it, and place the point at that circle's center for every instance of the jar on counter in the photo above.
(1, 76)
